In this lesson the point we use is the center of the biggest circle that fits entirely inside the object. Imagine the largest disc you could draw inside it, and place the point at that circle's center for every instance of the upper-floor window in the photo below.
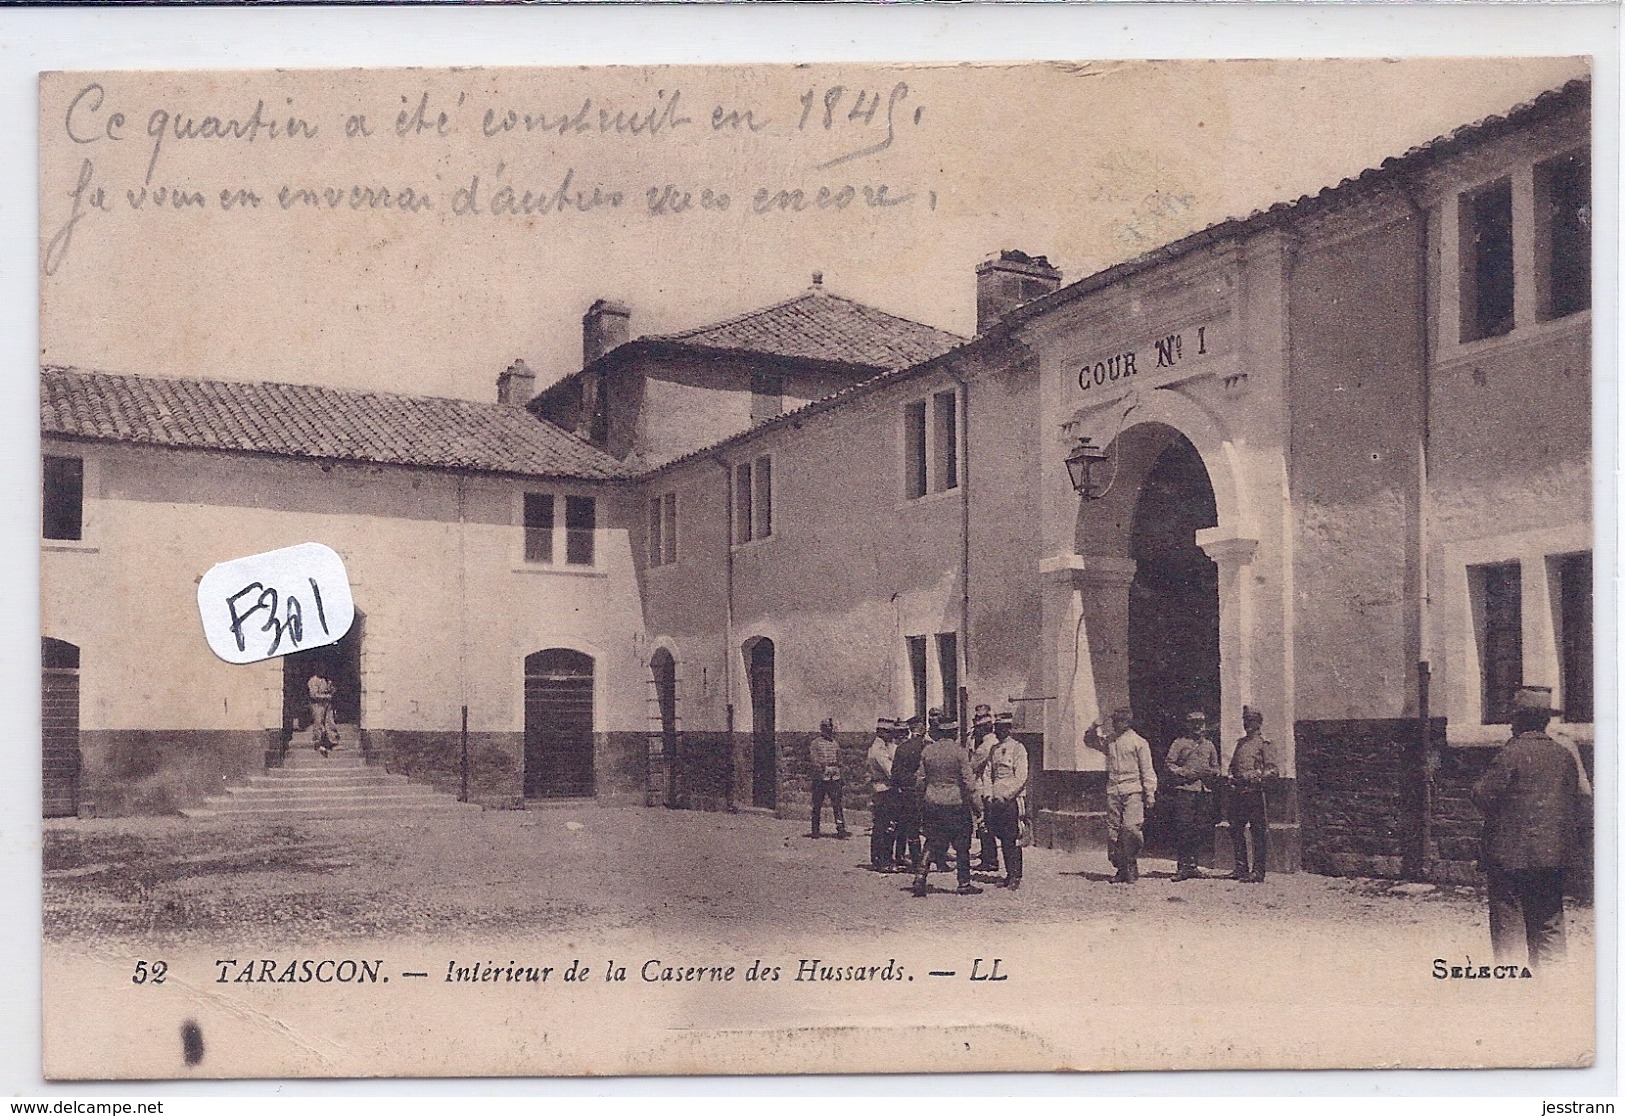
(753, 500)
(663, 530)
(542, 529)
(1485, 226)
(64, 498)
(580, 529)
(538, 527)
(931, 445)
(1563, 235)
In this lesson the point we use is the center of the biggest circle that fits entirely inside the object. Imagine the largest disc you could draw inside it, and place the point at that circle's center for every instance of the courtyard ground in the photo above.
(1302, 971)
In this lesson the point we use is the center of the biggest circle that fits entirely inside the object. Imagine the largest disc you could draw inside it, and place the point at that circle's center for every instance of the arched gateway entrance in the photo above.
(1173, 606)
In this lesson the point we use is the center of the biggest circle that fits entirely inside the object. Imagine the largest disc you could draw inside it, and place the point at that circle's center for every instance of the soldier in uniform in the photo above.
(882, 798)
(1251, 768)
(1131, 790)
(982, 738)
(825, 754)
(905, 781)
(1006, 780)
(1532, 804)
(950, 798)
(324, 733)
(1193, 766)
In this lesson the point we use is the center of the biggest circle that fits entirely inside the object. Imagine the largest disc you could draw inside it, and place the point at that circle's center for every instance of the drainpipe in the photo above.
(462, 632)
(728, 630)
(964, 547)
(1422, 866)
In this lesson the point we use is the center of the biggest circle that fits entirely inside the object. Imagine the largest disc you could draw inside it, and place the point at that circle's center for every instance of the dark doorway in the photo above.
(60, 727)
(764, 781)
(1173, 611)
(664, 669)
(340, 664)
(558, 724)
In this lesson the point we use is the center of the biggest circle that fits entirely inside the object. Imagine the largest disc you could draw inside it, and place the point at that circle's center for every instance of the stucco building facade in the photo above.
(1342, 476)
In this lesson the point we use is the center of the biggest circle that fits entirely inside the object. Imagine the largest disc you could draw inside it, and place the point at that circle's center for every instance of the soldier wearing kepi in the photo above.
(950, 798)
(882, 798)
(1131, 790)
(1251, 768)
(982, 739)
(1193, 766)
(1532, 803)
(1006, 780)
(905, 781)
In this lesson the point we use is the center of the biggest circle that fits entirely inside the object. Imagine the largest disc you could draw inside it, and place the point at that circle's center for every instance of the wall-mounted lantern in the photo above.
(1085, 466)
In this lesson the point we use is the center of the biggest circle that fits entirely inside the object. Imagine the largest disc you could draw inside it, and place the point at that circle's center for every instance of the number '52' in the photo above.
(149, 970)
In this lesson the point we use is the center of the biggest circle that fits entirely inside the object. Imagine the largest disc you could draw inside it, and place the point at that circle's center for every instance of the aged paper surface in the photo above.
(483, 878)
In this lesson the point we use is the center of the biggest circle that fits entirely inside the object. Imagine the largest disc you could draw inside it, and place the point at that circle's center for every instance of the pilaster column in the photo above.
(1086, 615)
(1233, 555)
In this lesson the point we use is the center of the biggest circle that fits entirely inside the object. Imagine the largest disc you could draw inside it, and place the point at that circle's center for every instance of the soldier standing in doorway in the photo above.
(324, 734)
(1193, 766)
(1131, 790)
(1251, 768)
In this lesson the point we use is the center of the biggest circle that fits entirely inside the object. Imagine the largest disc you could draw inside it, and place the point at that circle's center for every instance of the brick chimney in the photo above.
(604, 326)
(1008, 280)
(516, 385)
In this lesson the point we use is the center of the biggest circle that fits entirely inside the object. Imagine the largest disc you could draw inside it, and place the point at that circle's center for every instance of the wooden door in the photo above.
(558, 724)
(60, 728)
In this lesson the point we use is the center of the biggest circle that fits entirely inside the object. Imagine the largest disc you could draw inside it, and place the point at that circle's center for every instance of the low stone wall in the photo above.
(495, 761)
(160, 771)
(1361, 784)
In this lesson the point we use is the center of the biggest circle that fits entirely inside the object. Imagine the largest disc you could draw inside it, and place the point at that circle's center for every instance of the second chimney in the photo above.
(516, 385)
(605, 325)
(1008, 280)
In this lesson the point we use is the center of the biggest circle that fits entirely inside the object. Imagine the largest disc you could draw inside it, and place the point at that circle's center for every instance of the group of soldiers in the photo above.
(932, 794)
(929, 794)
(1196, 783)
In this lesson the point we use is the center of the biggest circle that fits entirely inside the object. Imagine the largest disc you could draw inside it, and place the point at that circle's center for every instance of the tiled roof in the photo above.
(824, 327)
(299, 420)
(1573, 94)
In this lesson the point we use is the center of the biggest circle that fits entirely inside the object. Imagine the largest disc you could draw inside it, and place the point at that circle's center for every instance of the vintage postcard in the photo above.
(817, 569)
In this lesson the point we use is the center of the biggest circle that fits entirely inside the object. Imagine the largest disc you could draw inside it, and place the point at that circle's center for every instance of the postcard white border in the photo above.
(174, 38)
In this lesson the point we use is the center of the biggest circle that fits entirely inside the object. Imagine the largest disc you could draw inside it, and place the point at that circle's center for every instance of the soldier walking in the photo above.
(1532, 803)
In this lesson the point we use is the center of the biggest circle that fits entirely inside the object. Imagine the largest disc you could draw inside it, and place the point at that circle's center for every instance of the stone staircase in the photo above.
(337, 785)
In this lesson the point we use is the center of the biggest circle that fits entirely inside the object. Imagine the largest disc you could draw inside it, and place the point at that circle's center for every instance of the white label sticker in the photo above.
(276, 603)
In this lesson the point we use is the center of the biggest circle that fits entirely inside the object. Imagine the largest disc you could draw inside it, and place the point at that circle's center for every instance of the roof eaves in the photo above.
(1391, 170)
(620, 476)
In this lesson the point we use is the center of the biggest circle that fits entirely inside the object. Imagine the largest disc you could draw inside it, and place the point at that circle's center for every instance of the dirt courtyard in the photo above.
(1301, 972)
(592, 869)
